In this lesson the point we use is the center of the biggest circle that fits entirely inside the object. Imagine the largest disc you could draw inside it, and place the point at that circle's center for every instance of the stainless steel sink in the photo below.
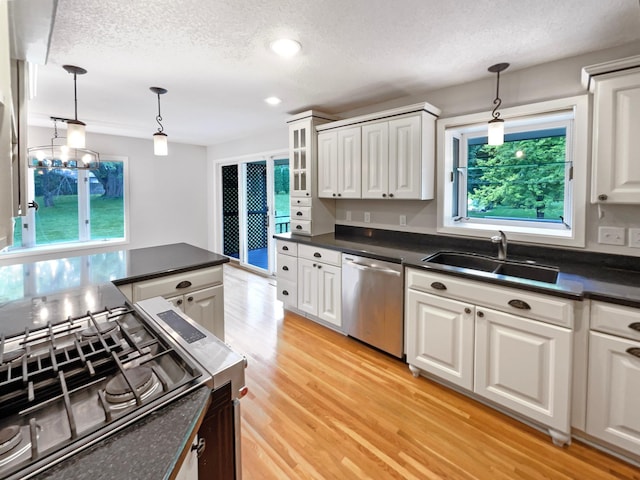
(483, 263)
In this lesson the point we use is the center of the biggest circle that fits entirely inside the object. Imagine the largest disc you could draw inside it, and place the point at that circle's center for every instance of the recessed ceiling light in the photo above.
(272, 100)
(285, 47)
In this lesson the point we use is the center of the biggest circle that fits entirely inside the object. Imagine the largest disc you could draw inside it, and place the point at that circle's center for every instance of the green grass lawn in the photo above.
(60, 223)
(552, 212)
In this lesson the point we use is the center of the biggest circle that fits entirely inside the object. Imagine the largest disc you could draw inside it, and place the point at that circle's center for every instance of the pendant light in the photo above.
(160, 144)
(496, 125)
(75, 128)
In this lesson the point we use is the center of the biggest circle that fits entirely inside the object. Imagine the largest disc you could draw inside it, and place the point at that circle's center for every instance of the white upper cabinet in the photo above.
(6, 181)
(386, 155)
(339, 163)
(616, 121)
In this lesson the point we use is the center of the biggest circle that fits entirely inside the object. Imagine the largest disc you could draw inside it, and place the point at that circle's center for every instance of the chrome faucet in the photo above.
(501, 240)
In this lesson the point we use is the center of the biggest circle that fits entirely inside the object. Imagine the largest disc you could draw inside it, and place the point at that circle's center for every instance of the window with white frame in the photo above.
(531, 186)
(73, 206)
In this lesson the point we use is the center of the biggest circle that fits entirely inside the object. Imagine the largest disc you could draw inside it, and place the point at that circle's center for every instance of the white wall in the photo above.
(167, 196)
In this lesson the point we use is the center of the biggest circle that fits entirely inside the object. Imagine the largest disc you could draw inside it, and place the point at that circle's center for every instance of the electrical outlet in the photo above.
(611, 235)
(403, 220)
(634, 237)
(348, 215)
(367, 217)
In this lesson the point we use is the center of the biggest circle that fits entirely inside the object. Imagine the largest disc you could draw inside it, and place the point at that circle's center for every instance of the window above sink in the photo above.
(532, 187)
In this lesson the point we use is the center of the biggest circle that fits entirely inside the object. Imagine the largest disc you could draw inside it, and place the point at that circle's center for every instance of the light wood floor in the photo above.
(324, 406)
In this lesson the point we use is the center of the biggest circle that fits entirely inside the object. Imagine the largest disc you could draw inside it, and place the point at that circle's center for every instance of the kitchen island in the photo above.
(34, 294)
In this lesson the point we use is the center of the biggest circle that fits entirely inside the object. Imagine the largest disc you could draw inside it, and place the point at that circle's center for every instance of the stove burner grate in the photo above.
(12, 356)
(102, 329)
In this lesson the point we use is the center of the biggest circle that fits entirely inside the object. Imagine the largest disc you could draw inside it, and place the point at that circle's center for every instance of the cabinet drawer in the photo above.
(300, 202)
(555, 310)
(320, 254)
(301, 227)
(287, 268)
(615, 319)
(287, 248)
(301, 213)
(288, 293)
(175, 284)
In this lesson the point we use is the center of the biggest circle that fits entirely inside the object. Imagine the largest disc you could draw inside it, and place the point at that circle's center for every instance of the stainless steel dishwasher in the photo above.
(372, 302)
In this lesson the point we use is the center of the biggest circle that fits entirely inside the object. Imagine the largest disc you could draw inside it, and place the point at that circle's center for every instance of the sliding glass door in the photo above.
(255, 205)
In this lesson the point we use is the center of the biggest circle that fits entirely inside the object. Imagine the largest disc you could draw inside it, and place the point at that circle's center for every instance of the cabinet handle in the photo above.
(179, 302)
(438, 286)
(285, 248)
(285, 293)
(298, 227)
(522, 305)
(602, 197)
(635, 351)
(391, 195)
(190, 299)
(285, 268)
(184, 284)
(199, 447)
(467, 310)
(481, 314)
(299, 214)
(635, 326)
(317, 255)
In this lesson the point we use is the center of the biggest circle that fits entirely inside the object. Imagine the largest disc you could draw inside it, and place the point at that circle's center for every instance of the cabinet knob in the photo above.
(467, 310)
(314, 265)
(384, 195)
(307, 194)
(481, 314)
(333, 194)
(391, 195)
(521, 304)
(319, 266)
(190, 299)
(179, 302)
(184, 284)
(438, 286)
(602, 197)
(635, 326)
(339, 194)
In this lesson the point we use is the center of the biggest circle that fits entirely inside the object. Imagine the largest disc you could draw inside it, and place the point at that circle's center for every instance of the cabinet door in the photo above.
(375, 160)
(616, 175)
(206, 307)
(349, 164)
(307, 286)
(614, 390)
(524, 365)
(328, 164)
(405, 160)
(330, 293)
(189, 468)
(440, 337)
(300, 159)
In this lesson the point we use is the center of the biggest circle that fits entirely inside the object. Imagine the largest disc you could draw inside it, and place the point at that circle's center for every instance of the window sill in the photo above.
(60, 248)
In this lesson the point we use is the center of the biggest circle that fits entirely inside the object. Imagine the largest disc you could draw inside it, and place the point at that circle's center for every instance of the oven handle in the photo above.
(361, 266)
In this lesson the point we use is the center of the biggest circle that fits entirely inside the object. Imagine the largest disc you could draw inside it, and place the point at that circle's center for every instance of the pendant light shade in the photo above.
(496, 125)
(160, 143)
(75, 128)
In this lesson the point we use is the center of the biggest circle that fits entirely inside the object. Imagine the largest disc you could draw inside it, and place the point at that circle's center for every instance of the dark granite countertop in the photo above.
(611, 278)
(148, 449)
(33, 294)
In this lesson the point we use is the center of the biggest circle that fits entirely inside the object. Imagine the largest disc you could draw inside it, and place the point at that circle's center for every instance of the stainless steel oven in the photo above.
(72, 383)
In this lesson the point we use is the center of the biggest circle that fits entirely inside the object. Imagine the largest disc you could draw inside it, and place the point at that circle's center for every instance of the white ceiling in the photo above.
(213, 56)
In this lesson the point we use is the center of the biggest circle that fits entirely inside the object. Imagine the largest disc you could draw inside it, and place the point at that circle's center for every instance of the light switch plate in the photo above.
(348, 215)
(634, 237)
(611, 235)
(403, 220)
(367, 217)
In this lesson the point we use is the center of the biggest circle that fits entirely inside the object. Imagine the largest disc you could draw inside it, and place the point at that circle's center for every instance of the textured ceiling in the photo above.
(213, 56)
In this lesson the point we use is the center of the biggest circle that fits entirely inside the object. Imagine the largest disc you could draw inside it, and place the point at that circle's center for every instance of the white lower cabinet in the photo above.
(504, 354)
(320, 290)
(198, 293)
(525, 365)
(204, 306)
(442, 337)
(613, 393)
(189, 468)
